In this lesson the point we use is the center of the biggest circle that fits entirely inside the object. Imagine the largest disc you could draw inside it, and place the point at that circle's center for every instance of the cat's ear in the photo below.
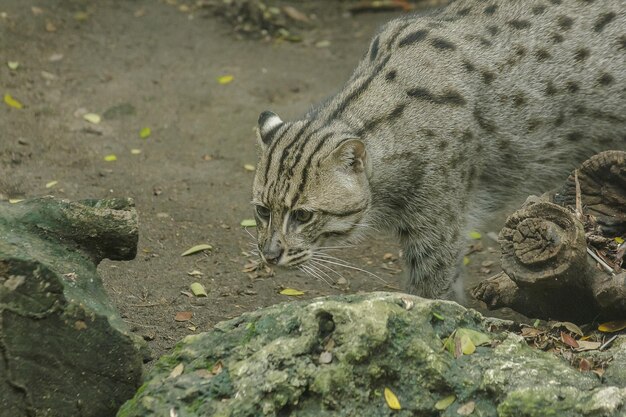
(268, 124)
(351, 156)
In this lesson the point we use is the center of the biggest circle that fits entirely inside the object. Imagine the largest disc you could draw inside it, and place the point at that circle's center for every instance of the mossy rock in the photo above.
(335, 356)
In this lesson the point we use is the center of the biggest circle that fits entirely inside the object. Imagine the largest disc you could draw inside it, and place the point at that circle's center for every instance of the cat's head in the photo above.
(311, 188)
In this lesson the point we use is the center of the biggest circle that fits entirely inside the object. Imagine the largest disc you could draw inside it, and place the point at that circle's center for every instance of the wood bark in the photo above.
(64, 350)
(548, 272)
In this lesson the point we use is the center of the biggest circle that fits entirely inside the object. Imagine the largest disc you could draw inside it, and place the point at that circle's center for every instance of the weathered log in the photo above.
(64, 350)
(548, 272)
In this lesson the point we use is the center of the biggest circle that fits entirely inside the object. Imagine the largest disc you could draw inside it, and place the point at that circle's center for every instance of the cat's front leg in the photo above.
(432, 264)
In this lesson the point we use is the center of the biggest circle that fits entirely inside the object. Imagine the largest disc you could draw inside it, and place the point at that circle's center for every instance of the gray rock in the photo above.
(267, 363)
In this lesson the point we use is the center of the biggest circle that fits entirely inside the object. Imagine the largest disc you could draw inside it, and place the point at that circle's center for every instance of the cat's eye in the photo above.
(263, 212)
(302, 216)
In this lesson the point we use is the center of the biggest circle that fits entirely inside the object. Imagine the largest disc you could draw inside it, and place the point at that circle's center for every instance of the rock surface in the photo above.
(335, 356)
(64, 350)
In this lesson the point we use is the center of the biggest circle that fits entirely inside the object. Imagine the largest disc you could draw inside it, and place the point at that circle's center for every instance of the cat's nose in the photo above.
(272, 255)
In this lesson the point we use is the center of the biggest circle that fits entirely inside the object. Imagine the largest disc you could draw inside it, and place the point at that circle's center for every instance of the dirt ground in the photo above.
(149, 63)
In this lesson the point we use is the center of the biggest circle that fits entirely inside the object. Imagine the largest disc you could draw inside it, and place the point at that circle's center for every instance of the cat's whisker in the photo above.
(345, 265)
(330, 282)
(308, 269)
(248, 232)
(319, 264)
(335, 247)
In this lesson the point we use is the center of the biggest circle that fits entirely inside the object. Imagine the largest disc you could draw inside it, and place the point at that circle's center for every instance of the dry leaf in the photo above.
(326, 357)
(135, 151)
(584, 365)
(291, 292)
(50, 27)
(392, 400)
(248, 223)
(569, 340)
(51, 184)
(11, 102)
(177, 371)
(183, 316)
(92, 118)
(445, 402)
(249, 167)
(295, 14)
(13, 65)
(197, 248)
(612, 326)
(225, 79)
(110, 158)
(569, 326)
(475, 235)
(217, 368)
(466, 409)
(145, 132)
(195, 273)
(198, 289)
(584, 345)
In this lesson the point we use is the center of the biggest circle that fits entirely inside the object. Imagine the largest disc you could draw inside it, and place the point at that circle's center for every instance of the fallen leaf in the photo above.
(467, 346)
(15, 200)
(196, 249)
(619, 240)
(195, 273)
(225, 79)
(11, 102)
(322, 44)
(192, 328)
(145, 132)
(584, 345)
(177, 371)
(326, 357)
(55, 57)
(295, 14)
(183, 316)
(466, 260)
(50, 27)
(475, 235)
(291, 292)
(569, 340)
(92, 118)
(135, 151)
(217, 368)
(584, 365)
(36, 10)
(445, 402)
(466, 409)
(81, 16)
(51, 184)
(249, 167)
(80, 325)
(392, 400)
(612, 326)
(437, 315)
(248, 223)
(110, 158)
(569, 326)
(13, 65)
(198, 289)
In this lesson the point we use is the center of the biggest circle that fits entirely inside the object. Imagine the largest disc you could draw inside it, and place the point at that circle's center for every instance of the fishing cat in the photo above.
(446, 117)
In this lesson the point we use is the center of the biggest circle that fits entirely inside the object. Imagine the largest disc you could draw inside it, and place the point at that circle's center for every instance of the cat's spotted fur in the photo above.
(446, 117)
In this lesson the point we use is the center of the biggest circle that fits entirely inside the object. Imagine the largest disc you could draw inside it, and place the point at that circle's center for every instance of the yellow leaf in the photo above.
(392, 400)
(475, 235)
(92, 118)
(197, 248)
(135, 151)
(248, 223)
(612, 326)
(198, 289)
(51, 184)
(619, 240)
(11, 102)
(15, 200)
(177, 371)
(445, 402)
(110, 158)
(13, 65)
(291, 292)
(467, 346)
(466, 260)
(249, 167)
(225, 79)
(145, 133)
